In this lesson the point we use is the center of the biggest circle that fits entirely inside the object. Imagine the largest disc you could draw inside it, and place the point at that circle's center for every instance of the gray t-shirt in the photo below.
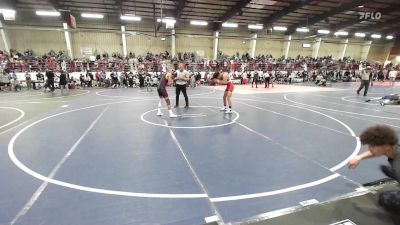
(365, 75)
(396, 163)
(184, 73)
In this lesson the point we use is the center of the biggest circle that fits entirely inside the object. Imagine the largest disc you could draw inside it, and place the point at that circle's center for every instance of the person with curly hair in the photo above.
(382, 141)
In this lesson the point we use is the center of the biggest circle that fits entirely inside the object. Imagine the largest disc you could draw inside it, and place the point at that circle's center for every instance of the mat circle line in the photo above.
(196, 127)
(27, 170)
(21, 115)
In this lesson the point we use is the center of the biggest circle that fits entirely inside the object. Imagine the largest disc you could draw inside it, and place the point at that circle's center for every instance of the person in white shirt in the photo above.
(63, 65)
(181, 81)
(243, 77)
(319, 78)
(267, 79)
(291, 77)
(364, 80)
(392, 76)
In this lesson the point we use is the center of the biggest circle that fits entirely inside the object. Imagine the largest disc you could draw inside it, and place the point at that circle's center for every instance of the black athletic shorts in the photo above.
(162, 93)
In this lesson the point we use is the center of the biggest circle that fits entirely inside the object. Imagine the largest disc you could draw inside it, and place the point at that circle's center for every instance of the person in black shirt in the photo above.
(63, 82)
(90, 78)
(141, 78)
(381, 77)
(114, 80)
(82, 80)
(39, 79)
(267, 79)
(255, 79)
(50, 80)
(130, 79)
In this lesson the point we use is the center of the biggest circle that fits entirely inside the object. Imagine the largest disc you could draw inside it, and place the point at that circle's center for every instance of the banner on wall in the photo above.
(200, 53)
(71, 21)
(86, 51)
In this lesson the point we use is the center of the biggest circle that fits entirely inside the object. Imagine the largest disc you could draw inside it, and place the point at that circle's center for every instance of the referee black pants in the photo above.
(364, 83)
(182, 88)
(267, 79)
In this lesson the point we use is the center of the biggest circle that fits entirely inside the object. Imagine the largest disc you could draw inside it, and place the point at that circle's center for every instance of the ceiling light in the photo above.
(255, 27)
(167, 20)
(280, 28)
(7, 11)
(130, 18)
(389, 37)
(341, 33)
(198, 23)
(48, 13)
(302, 29)
(91, 15)
(232, 25)
(8, 14)
(359, 34)
(163, 39)
(376, 36)
(323, 31)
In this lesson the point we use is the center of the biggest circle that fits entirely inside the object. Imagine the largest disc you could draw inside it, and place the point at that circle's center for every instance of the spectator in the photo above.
(255, 79)
(141, 78)
(392, 76)
(28, 81)
(4, 81)
(114, 80)
(82, 80)
(267, 78)
(50, 80)
(63, 82)
(16, 86)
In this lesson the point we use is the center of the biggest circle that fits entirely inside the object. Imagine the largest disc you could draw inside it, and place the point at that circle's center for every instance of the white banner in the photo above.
(86, 51)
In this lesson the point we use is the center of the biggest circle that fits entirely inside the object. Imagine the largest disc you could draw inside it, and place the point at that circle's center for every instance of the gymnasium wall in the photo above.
(231, 46)
(329, 49)
(379, 52)
(2, 47)
(141, 44)
(354, 50)
(296, 48)
(188, 43)
(273, 47)
(40, 42)
(98, 42)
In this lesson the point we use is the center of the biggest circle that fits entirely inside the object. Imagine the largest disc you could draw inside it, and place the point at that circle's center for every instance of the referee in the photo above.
(182, 77)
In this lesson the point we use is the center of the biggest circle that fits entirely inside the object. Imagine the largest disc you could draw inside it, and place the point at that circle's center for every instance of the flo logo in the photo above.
(370, 15)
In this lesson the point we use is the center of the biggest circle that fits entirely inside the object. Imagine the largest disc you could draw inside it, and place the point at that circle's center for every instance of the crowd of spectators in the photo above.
(127, 71)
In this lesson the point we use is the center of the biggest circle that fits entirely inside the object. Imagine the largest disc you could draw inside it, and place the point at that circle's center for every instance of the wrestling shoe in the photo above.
(228, 111)
(172, 115)
(160, 113)
(223, 109)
